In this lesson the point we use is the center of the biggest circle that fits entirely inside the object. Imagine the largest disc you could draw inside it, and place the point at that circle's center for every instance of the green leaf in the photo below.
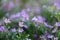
(58, 17)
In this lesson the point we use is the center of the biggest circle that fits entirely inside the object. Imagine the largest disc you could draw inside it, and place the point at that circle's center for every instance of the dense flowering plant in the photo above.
(22, 21)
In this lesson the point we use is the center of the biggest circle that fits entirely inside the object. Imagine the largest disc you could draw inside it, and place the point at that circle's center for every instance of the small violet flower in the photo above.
(24, 14)
(20, 30)
(13, 16)
(41, 19)
(47, 25)
(28, 39)
(0, 22)
(54, 30)
(21, 24)
(57, 24)
(13, 30)
(43, 36)
(34, 19)
(10, 5)
(7, 20)
(49, 36)
(55, 38)
(37, 10)
(2, 28)
(57, 5)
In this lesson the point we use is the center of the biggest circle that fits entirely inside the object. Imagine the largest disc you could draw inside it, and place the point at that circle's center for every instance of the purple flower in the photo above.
(1, 28)
(21, 24)
(50, 36)
(0, 22)
(28, 39)
(6, 29)
(13, 30)
(36, 25)
(7, 20)
(57, 24)
(24, 14)
(55, 38)
(28, 9)
(37, 10)
(38, 19)
(54, 30)
(57, 5)
(25, 26)
(10, 5)
(41, 19)
(46, 33)
(27, 5)
(20, 30)
(43, 36)
(17, 14)
(13, 16)
(47, 25)
(34, 19)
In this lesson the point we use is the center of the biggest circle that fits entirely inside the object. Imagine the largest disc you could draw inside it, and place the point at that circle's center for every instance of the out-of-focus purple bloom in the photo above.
(13, 30)
(28, 9)
(6, 29)
(20, 30)
(37, 10)
(47, 25)
(49, 36)
(23, 19)
(10, 5)
(0, 22)
(2, 28)
(43, 36)
(36, 25)
(54, 30)
(55, 38)
(13, 16)
(21, 24)
(24, 14)
(38, 19)
(25, 26)
(7, 20)
(46, 33)
(41, 19)
(28, 39)
(34, 19)
(28, 5)
(57, 24)
(17, 14)
(57, 5)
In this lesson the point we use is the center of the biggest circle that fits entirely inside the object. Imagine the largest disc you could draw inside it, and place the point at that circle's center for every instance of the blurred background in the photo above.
(25, 10)
(35, 6)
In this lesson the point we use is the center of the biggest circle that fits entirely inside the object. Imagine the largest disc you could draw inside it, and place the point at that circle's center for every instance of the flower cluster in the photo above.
(29, 22)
